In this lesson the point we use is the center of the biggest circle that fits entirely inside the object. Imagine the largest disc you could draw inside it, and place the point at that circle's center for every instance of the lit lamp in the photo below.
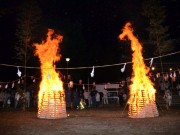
(67, 60)
(153, 68)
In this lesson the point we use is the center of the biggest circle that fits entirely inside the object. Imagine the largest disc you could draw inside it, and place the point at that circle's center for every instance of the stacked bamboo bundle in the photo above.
(142, 107)
(53, 105)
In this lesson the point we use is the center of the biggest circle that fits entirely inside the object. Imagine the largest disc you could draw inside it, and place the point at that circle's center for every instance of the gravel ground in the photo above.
(105, 120)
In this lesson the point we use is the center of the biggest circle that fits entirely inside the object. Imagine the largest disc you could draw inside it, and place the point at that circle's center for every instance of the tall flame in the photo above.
(142, 93)
(51, 98)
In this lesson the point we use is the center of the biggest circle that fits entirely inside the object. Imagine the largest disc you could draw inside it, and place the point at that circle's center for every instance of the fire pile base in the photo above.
(147, 111)
(52, 105)
(142, 107)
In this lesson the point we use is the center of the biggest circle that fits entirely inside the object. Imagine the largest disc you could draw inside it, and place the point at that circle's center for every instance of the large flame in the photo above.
(51, 98)
(142, 93)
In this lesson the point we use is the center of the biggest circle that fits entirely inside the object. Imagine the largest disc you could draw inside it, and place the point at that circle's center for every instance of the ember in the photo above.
(51, 97)
(142, 93)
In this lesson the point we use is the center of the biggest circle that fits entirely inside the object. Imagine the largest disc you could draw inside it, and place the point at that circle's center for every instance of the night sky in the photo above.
(90, 29)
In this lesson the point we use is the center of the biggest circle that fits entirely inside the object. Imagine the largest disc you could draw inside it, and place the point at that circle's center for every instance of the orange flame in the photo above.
(51, 100)
(142, 93)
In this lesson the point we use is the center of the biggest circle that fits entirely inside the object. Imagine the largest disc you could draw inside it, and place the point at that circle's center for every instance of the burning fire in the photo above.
(51, 97)
(142, 93)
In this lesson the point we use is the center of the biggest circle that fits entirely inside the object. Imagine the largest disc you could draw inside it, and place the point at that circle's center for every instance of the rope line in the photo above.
(8, 65)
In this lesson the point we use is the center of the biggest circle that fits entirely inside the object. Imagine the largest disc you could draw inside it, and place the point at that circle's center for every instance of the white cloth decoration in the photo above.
(170, 75)
(19, 72)
(12, 85)
(34, 80)
(92, 73)
(174, 74)
(151, 62)
(123, 69)
(83, 87)
(157, 75)
(6, 86)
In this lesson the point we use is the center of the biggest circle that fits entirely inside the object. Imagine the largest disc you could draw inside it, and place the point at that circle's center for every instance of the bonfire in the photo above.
(51, 97)
(142, 92)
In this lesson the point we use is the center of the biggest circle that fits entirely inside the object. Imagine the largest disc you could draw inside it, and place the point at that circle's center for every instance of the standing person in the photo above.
(35, 96)
(8, 99)
(16, 102)
(71, 85)
(68, 97)
(80, 92)
(86, 98)
(80, 89)
(5, 98)
(90, 99)
(167, 85)
(8, 102)
(76, 99)
(121, 99)
(105, 97)
(168, 98)
(1, 98)
(27, 96)
(93, 97)
(97, 99)
(12, 99)
(124, 97)
(162, 88)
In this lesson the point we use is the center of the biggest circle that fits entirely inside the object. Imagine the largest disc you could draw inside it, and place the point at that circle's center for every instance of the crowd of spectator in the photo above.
(79, 96)
(17, 98)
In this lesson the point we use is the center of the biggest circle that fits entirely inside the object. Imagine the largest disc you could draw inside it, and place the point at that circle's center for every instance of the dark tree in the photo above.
(158, 32)
(28, 19)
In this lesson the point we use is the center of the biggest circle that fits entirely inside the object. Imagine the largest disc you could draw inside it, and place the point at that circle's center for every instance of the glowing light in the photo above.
(51, 97)
(153, 68)
(67, 59)
(142, 93)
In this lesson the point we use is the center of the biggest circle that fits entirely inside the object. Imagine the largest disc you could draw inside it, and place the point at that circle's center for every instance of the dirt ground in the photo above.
(105, 120)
